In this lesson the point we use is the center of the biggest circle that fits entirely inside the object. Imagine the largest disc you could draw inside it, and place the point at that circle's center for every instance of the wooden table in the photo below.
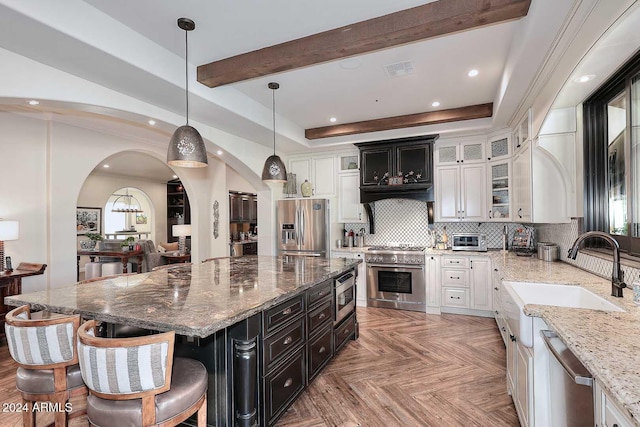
(11, 284)
(123, 256)
(176, 258)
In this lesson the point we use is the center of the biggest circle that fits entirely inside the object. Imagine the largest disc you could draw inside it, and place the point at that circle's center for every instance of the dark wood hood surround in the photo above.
(397, 168)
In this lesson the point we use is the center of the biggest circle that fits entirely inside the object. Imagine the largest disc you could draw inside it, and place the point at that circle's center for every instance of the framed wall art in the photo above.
(88, 220)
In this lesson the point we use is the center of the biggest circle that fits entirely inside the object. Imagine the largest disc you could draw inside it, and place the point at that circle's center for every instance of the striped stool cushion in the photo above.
(40, 345)
(117, 370)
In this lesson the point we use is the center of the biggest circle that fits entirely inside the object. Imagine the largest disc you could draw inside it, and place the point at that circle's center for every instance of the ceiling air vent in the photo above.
(399, 69)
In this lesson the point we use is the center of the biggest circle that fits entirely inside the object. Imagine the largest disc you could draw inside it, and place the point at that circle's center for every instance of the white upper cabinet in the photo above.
(461, 193)
(521, 133)
(319, 170)
(452, 153)
(499, 147)
(349, 207)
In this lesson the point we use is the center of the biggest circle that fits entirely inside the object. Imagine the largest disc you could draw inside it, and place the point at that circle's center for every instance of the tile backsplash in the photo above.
(564, 235)
(406, 221)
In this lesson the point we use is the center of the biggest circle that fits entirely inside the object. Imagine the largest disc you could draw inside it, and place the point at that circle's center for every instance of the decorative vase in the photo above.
(305, 188)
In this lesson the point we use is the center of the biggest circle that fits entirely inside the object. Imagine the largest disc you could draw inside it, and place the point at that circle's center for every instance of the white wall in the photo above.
(236, 182)
(45, 176)
(24, 145)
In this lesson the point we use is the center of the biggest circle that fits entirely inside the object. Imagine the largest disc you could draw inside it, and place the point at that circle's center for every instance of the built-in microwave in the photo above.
(469, 242)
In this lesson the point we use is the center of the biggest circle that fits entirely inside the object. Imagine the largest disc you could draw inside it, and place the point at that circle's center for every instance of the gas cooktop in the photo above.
(398, 248)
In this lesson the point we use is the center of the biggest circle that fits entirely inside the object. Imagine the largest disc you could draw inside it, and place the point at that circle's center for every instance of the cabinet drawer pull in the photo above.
(322, 316)
(322, 350)
(512, 337)
(496, 288)
(288, 383)
(288, 340)
(286, 311)
(452, 277)
(455, 297)
(497, 312)
(321, 293)
(455, 262)
(346, 332)
(504, 329)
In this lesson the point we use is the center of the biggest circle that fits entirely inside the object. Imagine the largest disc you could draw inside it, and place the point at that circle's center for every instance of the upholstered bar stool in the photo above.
(92, 269)
(137, 382)
(111, 268)
(45, 349)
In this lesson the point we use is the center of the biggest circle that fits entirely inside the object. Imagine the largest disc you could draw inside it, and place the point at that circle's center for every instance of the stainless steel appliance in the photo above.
(345, 296)
(468, 242)
(570, 385)
(303, 227)
(396, 277)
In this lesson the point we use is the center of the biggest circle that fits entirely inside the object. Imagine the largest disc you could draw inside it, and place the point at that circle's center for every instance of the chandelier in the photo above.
(126, 203)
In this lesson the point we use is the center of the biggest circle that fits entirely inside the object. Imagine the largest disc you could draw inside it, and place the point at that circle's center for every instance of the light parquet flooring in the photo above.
(411, 369)
(406, 369)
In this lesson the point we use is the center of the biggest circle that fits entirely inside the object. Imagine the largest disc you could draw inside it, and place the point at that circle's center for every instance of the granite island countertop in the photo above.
(607, 343)
(191, 299)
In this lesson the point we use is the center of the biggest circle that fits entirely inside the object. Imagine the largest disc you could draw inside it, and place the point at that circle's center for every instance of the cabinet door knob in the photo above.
(322, 316)
(286, 311)
(288, 340)
(322, 350)
(519, 214)
(288, 382)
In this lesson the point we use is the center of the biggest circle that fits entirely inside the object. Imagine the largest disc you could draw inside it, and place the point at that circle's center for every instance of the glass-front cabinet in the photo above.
(500, 184)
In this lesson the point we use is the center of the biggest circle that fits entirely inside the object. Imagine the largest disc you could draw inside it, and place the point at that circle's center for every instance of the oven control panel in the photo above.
(413, 259)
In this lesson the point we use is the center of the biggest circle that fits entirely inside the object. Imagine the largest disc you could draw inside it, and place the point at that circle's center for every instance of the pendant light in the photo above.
(186, 147)
(274, 170)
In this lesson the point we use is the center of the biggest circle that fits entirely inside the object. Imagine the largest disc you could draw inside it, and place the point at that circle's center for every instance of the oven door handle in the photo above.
(401, 266)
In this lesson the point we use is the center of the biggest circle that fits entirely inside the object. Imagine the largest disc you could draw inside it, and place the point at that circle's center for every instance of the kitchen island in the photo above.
(228, 313)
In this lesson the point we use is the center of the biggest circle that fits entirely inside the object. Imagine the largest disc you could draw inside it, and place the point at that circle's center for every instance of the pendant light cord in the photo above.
(273, 91)
(186, 70)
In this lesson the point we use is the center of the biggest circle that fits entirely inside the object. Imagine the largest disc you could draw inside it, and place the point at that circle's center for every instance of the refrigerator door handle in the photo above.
(302, 227)
(297, 230)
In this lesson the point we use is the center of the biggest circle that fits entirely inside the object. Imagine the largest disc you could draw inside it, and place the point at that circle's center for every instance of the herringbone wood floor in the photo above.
(406, 369)
(411, 369)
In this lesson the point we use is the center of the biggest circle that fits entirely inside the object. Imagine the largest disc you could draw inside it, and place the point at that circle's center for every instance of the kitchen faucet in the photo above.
(617, 276)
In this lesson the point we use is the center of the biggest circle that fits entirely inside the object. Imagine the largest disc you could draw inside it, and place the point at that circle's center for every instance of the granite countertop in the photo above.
(607, 343)
(191, 299)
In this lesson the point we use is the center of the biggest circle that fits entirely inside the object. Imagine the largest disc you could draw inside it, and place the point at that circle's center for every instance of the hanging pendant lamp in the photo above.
(274, 170)
(186, 147)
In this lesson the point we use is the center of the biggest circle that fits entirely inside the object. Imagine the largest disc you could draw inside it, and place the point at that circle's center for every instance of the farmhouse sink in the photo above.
(519, 294)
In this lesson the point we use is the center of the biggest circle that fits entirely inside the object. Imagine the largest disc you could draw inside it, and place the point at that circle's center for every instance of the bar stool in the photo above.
(111, 268)
(148, 386)
(46, 352)
(92, 269)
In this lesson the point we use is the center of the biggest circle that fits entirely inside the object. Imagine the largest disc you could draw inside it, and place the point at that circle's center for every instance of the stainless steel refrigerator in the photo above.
(303, 227)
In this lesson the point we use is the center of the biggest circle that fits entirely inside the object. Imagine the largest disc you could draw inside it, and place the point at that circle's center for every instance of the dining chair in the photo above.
(45, 350)
(137, 381)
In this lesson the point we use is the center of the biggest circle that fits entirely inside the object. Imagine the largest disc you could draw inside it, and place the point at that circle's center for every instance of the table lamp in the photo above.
(9, 230)
(181, 231)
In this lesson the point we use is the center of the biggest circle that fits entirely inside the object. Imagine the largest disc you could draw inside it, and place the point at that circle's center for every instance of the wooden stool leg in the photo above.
(202, 413)
(28, 416)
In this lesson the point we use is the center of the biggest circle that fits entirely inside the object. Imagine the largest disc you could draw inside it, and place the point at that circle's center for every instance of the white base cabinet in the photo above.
(607, 412)
(466, 282)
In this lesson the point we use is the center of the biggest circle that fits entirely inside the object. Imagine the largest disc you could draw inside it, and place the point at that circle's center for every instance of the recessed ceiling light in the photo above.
(350, 63)
(152, 122)
(34, 102)
(472, 73)
(584, 79)
(219, 152)
(435, 104)
(105, 166)
(175, 176)
(333, 119)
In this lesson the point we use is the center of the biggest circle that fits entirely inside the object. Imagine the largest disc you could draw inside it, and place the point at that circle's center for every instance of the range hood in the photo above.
(397, 169)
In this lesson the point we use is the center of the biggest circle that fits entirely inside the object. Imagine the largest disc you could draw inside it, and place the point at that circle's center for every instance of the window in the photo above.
(612, 158)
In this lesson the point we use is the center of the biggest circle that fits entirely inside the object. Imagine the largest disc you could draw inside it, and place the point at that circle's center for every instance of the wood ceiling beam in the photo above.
(410, 120)
(410, 25)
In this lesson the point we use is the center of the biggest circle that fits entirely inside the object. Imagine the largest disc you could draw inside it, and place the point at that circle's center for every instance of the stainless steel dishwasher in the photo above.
(570, 386)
